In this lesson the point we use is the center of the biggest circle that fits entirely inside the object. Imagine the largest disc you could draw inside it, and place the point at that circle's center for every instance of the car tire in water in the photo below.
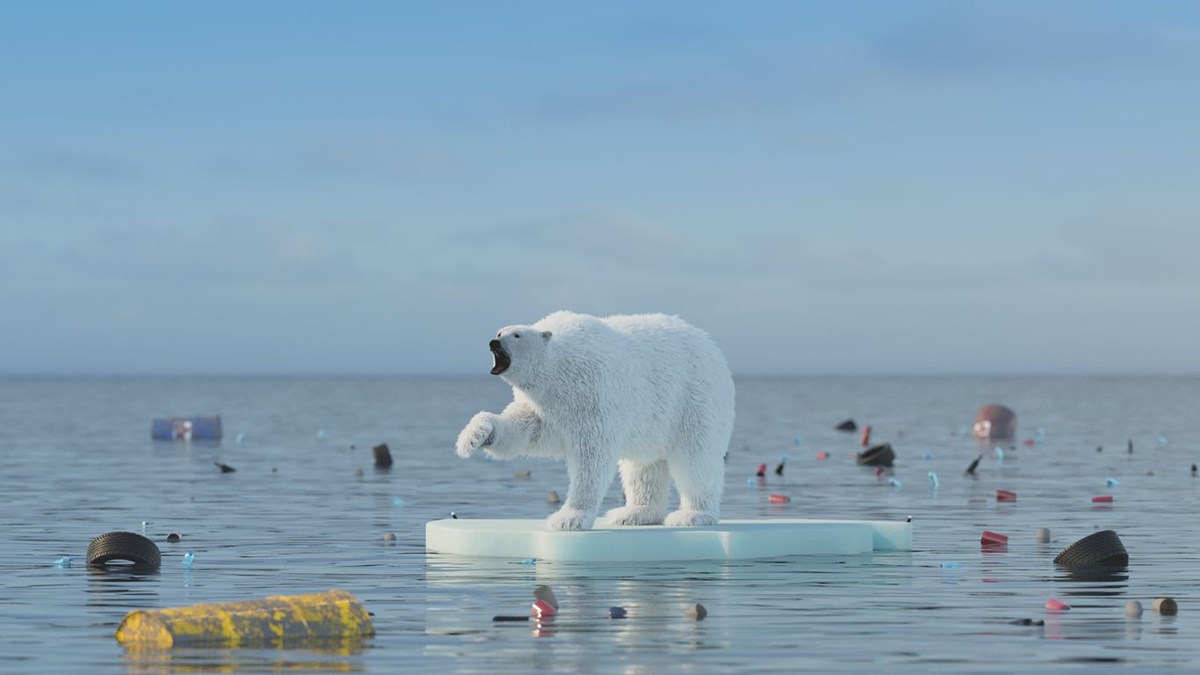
(1103, 548)
(128, 546)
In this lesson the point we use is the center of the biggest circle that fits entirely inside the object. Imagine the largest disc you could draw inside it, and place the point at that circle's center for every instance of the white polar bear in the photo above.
(649, 393)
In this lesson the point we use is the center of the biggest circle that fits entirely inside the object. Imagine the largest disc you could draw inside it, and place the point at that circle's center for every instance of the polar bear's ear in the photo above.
(546, 335)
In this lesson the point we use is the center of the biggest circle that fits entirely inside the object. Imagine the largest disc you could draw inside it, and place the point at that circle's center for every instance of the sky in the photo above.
(377, 187)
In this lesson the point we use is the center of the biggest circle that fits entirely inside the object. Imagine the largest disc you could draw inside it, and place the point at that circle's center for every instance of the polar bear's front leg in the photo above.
(590, 469)
(513, 432)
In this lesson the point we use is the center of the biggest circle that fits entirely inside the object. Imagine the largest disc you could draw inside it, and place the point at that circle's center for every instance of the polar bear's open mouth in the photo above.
(502, 360)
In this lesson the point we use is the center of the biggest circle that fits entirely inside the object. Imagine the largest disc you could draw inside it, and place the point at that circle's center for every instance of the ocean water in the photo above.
(76, 460)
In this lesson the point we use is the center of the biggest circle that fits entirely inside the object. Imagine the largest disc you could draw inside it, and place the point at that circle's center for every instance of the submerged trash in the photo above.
(542, 609)
(188, 559)
(529, 561)
(779, 469)
(174, 537)
(1112, 482)
(552, 498)
(971, 467)
(697, 612)
(999, 453)
(1162, 440)
(240, 437)
(895, 482)
(880, 455)
(1098, 549)
(1165, 606)
(779, 499)
(989, 538)
(933, 480)
(396, 501)
(1028, 622)
(1133, 609)
(1056, 605)
(762, 471)
(64, 561)
(1102, 499)
(822, 455)
(383, 456)
(1006, 496)
(1042, 535)
(320, 433)
(546, 595)
(865, 439)
(616, 612)
(848, 425)
(510, 618)
(389, 536)
(225, 468)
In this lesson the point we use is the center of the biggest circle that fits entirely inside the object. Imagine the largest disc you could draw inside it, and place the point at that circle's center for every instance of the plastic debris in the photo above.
(848, 425)
(320, 433)
(1133, 609)
(188, 559)
(1056, 605)
(503, 618)
(972, 466)
(779, 499)
(1028, 442)
(994, 422)
(389, 537)
(751, 481)
(174, 537)
(529, 561)
(950, 565)
(697, 612)
(383, 456)
(64, 561)
(1027, 622)
(617, 613)
(999, 451)
(542, 609)
(798, 440)
(928, 455)
(1102, 499)
(992, 538)
(144, 524)
(225, 468)
(1193, 469)
(779, 469)
(895, 482)
(1039, 435)
(822, 455)
(1042, 535)
(523, 475)
(865, 438)
(933, 480)
(1162, 440)
(1112, 482)
(1165, 606)
(552, 498)
(1006, 496)
(546, 595)
(240, 437)
(396, 501)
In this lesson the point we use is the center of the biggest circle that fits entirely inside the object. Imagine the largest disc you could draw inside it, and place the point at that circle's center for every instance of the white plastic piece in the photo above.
(728, 540)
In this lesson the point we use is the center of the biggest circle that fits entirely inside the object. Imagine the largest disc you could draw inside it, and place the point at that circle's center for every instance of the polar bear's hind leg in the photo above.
(647, 487)
(699, 481)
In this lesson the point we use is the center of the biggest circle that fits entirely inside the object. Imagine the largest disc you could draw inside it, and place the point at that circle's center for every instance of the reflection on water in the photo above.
(329, 657)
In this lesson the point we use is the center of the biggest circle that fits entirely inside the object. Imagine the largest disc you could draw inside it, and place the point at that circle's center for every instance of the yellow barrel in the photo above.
(274, 620)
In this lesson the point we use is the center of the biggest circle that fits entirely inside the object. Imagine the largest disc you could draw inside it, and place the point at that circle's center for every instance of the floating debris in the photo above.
(1102, 499)
(553, 498)
(1131, 446)
(865, 439)
(1165, 606)
(358, 473)
(933, 480)
(697, 612)
(1098, 549)
(1056, 605)
(529, 561)
(396, 501)
(1133, 609)
(174, 537)
(880, 455)
(1042, 535)
(523, 475)
(541, 609)
(617, 613)
(848, 425)
(973, 465)
(1027, 622)
(1006, 496)
(454, 515)
(241, 437)
(320, 433)
(1162, 440)
(949, 565)
(383, 456)
(779, 499)
(995, 422)
(989, 538)
(63, 562)
(762, 471)
(189, 559)
(1112, 482)
(822, 455)
(225, 468)
(999, 451)
(546, 595)
(895, 482)
(779, 469)
(503, 618)
(389, 537)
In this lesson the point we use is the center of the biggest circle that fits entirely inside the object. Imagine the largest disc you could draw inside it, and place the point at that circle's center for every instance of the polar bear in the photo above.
(648, 393)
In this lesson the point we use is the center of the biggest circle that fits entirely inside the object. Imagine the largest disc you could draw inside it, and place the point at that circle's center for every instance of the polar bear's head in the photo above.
(519, 353)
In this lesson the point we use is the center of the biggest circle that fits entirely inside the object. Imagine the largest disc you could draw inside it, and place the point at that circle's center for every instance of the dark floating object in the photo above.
(762, 471)
(225, 468)
(1193, 469)
(1099, 448)
(617, 613)
(697, 612)
(174, 537)
(502, 618)
(995, 422)
(779, 469)
(1028, 622)
(880, 455)
(974, 465)
(206, 427)
(128, 546)
(848, 425)
(1131, 446)
(383, 457)
(1099, 549)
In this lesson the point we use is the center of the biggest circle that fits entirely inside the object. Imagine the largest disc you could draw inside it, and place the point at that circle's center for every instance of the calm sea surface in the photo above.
(76, 460)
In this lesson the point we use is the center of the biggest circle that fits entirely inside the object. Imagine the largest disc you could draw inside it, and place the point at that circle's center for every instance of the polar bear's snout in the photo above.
(500, 357)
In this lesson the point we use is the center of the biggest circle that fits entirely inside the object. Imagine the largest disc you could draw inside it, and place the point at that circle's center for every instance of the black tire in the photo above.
(1099, 549)
(880, 455)
(848, 425)
(124, 546)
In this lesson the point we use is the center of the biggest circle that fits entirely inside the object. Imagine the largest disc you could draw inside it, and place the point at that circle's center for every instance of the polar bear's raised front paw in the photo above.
(635, 515)
(480, 431)
(683, 518)
(568, 518)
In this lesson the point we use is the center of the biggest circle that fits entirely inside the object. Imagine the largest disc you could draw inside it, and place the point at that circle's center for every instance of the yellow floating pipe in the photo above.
(275, 619)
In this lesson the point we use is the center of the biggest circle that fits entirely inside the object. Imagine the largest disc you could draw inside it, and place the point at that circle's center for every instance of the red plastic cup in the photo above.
(1102, 499)
(762, 471)
(822, 455)
(993, 538)
(779, 499)
(1006, 496)
(1056, 605)
(541, 608)
(865, 438)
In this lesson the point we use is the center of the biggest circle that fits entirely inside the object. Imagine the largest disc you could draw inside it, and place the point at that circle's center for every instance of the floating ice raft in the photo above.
(728, 540)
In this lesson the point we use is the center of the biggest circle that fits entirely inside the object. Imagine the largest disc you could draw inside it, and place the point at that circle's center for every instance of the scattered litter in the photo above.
(1162, 440)
(529, 561)
(779, 469)
(865, 439)
(822, 455)
(1027, 622)
(1193, 469)
(762, 471)
(950, 565)
(186, 428)
(553, 498)
(1131, 446)
(1133, 609)
(933, 480)
(188, 559)
(546, 595)
(779, 499)
(995, 422)
(383, 456)
(144, 524)
(225, 468)
(895, 482)
(509, 618)
(174, 537)
(971, 467)
(64, 561)
(396, 501)
(1165, 606)
(990, 538)
(617, 613)
(522, 475)
(1098, 549)
(1112, 482)
(1056, 605)
(1006, 496)
(1040, 435)
(541, 609)
(880, 455)
(848, 425)
(389, 536)
(697, 612)
(1102, 499)
(241, 437)
(999, 453)
(1042, 535)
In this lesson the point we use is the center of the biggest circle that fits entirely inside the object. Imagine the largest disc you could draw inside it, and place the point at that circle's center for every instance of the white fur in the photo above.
(649, 393)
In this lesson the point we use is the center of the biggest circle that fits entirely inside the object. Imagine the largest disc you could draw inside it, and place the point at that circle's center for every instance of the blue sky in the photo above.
(375, 187)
